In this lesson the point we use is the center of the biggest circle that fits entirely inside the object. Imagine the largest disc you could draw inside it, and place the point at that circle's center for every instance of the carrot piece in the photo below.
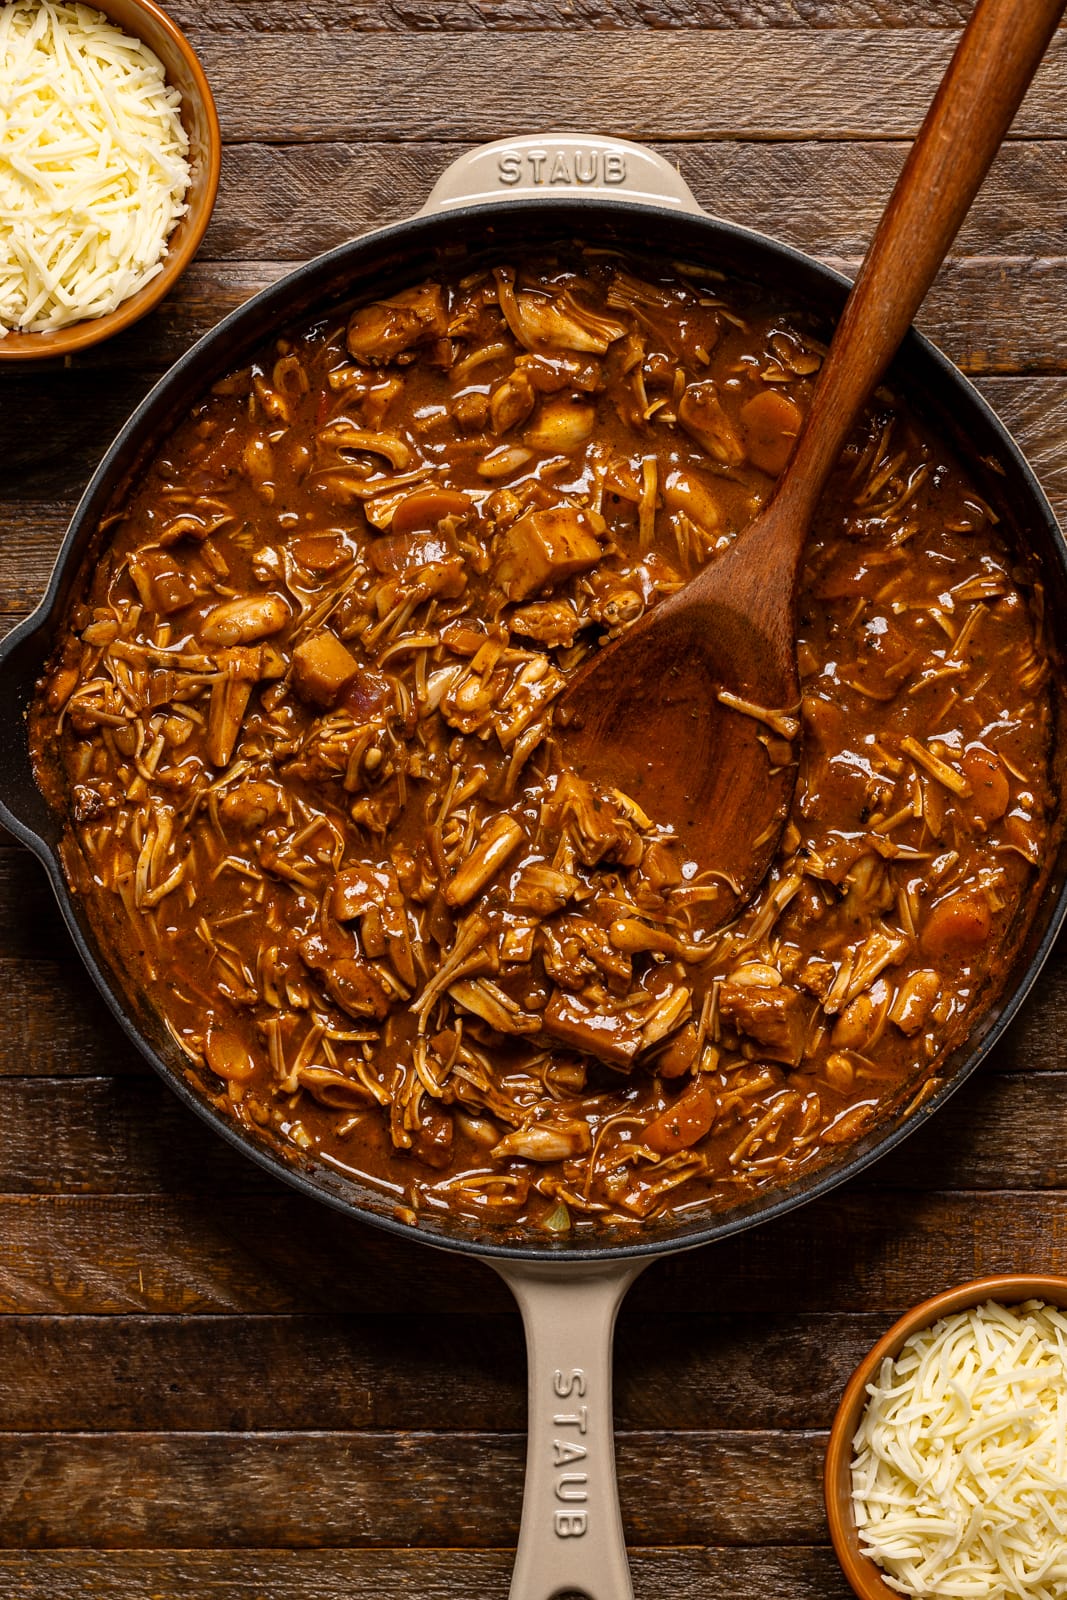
(684, 1123)
(426, 507)
(957, 927)
(990, 791)
(771, 421)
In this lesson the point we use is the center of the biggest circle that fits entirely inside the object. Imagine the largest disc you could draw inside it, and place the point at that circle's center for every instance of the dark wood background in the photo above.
(210, 1387)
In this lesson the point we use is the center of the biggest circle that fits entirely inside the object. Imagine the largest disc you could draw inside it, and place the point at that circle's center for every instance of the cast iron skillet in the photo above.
(498, 199)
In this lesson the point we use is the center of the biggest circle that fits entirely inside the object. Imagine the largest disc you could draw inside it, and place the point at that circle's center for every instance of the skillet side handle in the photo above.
(560, 166)
(571, 1539)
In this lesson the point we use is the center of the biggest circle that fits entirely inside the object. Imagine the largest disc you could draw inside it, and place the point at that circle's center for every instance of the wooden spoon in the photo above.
(694, 712)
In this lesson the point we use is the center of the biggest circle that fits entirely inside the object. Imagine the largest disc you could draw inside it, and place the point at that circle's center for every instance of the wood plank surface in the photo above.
(852, 83)
(212, 1386)
(195, 1491)
(822, 197)
(566, 16)
(688, 1573)
(324, 1370)
(856, 1250)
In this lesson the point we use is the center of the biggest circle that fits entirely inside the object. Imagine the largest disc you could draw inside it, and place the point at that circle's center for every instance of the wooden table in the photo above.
(212, 1388)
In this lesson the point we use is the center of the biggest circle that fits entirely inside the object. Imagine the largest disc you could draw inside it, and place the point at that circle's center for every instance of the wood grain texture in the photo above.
(286, 202)
(691, 1573)
(852, 83)
(307, 1490)
(855, 1250)
(52, 1021)
(161, 1373)
(566, 16)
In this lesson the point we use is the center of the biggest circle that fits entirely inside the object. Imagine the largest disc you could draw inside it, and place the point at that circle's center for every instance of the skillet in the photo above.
(504, 196)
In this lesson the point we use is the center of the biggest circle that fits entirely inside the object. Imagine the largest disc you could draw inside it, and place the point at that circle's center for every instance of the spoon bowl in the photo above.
(693, 714)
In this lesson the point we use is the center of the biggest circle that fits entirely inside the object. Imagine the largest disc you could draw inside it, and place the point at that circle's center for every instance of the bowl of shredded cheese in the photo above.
(946, 1469)
(109, 166)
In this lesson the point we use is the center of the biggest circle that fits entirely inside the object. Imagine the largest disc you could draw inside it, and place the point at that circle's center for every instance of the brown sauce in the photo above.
(300, 722)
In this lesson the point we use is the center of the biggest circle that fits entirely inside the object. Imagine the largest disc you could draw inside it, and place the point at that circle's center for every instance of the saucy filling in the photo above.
(301, 722)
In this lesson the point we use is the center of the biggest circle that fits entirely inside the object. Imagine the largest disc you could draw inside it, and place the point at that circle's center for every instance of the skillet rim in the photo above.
(318, 282)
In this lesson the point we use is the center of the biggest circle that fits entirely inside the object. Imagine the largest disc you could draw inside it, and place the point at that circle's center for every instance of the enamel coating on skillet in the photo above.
(582, 1282)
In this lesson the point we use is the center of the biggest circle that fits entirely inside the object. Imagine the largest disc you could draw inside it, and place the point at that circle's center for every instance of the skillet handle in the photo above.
(558, 166)
(571, 1539)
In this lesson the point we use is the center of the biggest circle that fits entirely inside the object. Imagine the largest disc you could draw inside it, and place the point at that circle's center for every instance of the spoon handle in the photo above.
(979, 95)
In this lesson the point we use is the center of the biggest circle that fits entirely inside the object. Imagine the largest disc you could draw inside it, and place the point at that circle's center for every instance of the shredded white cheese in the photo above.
(959, 1477)
(93, 169)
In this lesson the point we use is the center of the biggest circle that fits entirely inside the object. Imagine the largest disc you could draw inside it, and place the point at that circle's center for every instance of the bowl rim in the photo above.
(54, 344)
(1011, 1288)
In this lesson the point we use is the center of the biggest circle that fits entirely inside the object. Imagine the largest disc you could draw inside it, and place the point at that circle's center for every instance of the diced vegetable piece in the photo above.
(702, 416)
(432, 1141)
(471, 411)
(684, 1123)
(607, 1035)
(957, 927)
(685, 491)
(676, 1060)
(228, 1057)
(771, 422)
(990, 790)
(426, 507)
(400, 555)
(543, 549)
(321, 552)
(368, 693)
(161, 582)
(558, 1219)
(772, 1016)
(322, 669)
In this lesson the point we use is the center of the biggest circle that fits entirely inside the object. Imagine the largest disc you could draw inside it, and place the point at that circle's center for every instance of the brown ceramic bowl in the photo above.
(1011, 1290)
(144, 20)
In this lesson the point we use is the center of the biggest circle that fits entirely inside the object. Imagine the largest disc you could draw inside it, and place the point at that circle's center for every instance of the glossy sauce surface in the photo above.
(303, 716)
